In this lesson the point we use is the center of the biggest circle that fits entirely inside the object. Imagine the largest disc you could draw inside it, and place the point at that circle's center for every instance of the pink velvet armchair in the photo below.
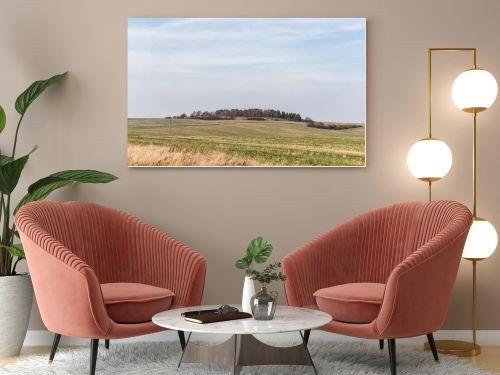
(385, 274)
(99, 273)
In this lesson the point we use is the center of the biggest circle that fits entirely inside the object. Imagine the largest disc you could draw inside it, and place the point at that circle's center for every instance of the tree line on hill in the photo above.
(262, 114)
(250, 113)
(322, 125)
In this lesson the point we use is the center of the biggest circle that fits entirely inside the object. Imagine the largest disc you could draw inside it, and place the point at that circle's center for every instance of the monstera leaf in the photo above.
(258, 250)
(43, 187)
(31, 93)
(242, 263)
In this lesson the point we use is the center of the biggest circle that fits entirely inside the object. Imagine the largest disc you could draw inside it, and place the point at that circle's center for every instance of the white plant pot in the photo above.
(16, 298)
(248, 292)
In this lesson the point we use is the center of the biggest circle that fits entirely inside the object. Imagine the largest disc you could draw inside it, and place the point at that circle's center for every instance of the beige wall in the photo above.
(82, 124)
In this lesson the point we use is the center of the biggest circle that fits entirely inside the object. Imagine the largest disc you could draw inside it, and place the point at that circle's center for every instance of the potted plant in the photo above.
(16, 291)
(258, 250)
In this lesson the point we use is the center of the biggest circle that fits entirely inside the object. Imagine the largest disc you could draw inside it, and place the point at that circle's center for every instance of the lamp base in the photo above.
(456, 348)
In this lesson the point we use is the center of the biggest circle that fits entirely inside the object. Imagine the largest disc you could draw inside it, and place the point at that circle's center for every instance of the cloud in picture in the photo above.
(315, 67)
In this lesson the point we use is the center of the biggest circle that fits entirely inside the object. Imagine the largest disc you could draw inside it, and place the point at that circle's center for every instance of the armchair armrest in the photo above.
(68, 292)
(419, 289)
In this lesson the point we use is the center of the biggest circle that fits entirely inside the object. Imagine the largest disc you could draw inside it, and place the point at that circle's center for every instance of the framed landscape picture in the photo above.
(247, 92)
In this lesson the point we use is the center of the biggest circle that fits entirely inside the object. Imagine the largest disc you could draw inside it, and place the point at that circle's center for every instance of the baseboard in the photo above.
(484, 337)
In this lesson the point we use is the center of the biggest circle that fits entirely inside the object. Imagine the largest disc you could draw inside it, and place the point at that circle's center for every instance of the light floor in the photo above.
(488, 360)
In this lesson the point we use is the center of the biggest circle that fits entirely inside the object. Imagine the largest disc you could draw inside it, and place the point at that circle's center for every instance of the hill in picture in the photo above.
(213, 139)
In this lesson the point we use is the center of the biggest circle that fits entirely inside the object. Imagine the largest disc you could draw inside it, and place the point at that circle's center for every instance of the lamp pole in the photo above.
(476, 349)
(474, 165)
(474, 215)
(454, 347)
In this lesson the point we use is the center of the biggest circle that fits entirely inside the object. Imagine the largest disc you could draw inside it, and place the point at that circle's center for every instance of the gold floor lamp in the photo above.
(430, 159)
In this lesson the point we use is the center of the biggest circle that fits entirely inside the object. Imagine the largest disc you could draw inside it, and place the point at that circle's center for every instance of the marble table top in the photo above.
(286, 319)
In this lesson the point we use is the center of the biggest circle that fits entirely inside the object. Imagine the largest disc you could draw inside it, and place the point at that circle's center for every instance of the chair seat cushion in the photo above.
(351, 303)
(135, 303)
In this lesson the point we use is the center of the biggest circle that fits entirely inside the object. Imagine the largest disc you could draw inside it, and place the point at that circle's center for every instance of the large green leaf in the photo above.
(86, 176)
(4, 159)
(10, 172)
(43, 187)
(15, 250)
(242, 263)
(31, 93)
(42, 193)
(259, 250)
(3, 119)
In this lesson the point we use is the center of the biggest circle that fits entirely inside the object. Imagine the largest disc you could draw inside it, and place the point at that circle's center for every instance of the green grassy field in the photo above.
(243, 142)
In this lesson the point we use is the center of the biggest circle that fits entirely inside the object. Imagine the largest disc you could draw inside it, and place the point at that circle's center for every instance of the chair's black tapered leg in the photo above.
(307, 333)
(94, 346)
(55, 344)
(106, 344)
(432, 344)
(182, 339)
(381, 344)
(392, 355)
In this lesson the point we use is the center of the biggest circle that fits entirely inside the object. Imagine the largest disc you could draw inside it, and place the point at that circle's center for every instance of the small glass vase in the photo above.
(263, 304)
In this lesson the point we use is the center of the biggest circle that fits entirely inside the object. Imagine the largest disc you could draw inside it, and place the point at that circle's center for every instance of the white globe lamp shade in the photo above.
(474, 90)
(429, 159)
(481, 241)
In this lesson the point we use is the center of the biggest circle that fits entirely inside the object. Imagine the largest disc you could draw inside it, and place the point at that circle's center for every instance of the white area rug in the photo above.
(162, 358)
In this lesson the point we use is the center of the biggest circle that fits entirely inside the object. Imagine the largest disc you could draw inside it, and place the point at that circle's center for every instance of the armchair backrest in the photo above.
(379, 241)
(386, 236)
(94, 233)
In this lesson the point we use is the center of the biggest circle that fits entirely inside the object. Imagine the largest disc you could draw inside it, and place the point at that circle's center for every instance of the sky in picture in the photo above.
(311, 66)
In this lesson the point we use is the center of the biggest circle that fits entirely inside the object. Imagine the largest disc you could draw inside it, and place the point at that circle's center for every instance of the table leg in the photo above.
(182, 339)
(236, 366)
(305, 340)
(184, 350)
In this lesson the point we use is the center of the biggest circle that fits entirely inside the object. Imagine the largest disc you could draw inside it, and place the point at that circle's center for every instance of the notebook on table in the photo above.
(213, 316)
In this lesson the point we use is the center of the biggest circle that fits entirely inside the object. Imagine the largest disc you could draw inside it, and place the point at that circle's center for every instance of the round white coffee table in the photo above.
(242, 348)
